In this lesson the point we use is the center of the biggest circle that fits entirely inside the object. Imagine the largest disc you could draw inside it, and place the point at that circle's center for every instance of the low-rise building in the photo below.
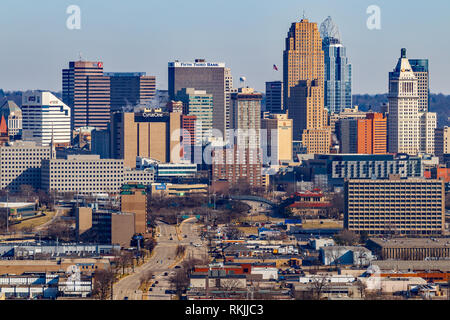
(20, 164)
(345, 255)
(410, 248)
(88, 174)
(171, 189)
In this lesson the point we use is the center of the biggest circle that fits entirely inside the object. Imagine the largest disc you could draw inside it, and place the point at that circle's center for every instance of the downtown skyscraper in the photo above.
(421, 70)
(213, 77)
(87, 92)
(129, 89)
(338, 72)
(303, 79)
(410, 129)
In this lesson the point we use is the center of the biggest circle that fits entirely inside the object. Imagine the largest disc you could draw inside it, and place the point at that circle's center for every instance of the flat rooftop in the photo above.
(413, 265)
(412, 242)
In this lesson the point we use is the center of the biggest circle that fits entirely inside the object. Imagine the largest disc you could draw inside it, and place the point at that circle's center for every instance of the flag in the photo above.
(275, 67)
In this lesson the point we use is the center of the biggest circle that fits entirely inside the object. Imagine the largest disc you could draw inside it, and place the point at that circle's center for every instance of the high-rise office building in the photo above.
(395, 206)
(410, 129)
(363, 136)
(87, 92)
(201, 75)
(303, 80)
(246, 109)
(189, 136)
(420, 69)
(442, 142)
(403, 119)
(274, 97)
(347, 130)
(46, 119)
(200, 104)
(133, 199)
(154, 135)
(338, 72)
(427, 127)
(228, 90)
(237, 166)
(129, 89)
(279, 137)
(241, 162)
(372, 134)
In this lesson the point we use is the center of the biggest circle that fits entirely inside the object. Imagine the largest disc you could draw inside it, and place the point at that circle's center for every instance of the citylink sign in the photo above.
(197, 64)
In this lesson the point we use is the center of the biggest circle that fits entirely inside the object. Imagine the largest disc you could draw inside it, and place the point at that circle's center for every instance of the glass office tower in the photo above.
(338, 72)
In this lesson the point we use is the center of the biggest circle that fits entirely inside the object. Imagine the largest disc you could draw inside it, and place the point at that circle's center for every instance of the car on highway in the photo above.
(153, 285)
(171, 238)
(177, 267)
(125, 298)
(166, 273)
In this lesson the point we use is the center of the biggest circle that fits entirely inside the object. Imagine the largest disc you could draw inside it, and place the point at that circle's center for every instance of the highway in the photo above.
(162, 261)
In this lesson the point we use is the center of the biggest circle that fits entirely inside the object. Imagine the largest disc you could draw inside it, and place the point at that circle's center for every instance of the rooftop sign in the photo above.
(197, 64)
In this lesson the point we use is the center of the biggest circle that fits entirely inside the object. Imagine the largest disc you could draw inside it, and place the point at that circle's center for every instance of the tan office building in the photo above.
(83, 216)
(113, 227)
(20, 164)
(395, 206)
(133, 199)
(278, 128)
(442, 142)
(154, 135)
(304, 86)
(88, 174)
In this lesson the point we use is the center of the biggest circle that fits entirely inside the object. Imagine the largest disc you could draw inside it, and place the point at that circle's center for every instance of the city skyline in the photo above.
(105, 36)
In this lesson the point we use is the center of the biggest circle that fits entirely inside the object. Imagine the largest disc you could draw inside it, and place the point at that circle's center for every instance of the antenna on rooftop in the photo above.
(81, 56)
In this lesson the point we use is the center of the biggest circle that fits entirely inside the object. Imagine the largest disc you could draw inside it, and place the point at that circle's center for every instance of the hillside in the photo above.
(439, 103)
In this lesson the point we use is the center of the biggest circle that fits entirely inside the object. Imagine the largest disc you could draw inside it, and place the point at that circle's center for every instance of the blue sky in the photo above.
(248, 35)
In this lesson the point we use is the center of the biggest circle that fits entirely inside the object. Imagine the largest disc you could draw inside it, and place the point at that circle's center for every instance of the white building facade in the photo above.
(404, 119)
(45, 117)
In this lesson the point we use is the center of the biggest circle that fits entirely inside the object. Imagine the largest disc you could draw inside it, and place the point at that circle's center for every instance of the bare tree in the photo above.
(27, 191)
(61, 229)
(229, 286)
(180, 281)
(180, 250)
(124, 260)
(318, 284)
(145, 277)
(361, 287)
(346, 237)
(103, 283)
